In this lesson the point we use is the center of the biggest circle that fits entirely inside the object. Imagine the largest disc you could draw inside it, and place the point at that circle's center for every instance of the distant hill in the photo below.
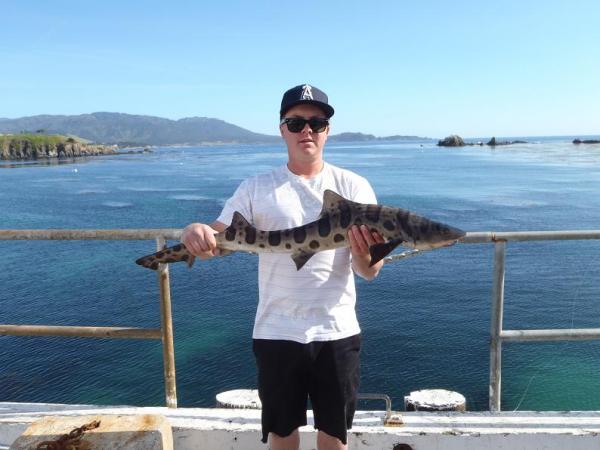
(359, 137)
(351, 137)
(128, 129)
(134, 130)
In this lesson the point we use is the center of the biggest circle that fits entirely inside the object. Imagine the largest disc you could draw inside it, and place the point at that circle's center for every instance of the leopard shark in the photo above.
(330, 231)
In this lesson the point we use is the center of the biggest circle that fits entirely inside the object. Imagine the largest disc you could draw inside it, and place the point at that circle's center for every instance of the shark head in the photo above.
(438, 235)
(420, 232)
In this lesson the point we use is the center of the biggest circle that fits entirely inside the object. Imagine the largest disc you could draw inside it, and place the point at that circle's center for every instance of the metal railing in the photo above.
(497, 335)
(164, 333)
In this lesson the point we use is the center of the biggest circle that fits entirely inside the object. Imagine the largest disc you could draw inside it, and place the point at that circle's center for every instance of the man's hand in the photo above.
(199, 239)
(360, 240)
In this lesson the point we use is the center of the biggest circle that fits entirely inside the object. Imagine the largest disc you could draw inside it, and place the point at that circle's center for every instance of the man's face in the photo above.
(305, 146)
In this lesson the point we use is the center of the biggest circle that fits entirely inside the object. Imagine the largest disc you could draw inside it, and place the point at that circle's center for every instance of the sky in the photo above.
(426, 68)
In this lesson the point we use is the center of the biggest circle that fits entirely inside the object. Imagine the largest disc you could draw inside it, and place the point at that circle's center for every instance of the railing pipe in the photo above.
(166, 320)
(74, 235)
(496, 326)
(493, 236)
(578, 334)
(75, 331)
(474, 237)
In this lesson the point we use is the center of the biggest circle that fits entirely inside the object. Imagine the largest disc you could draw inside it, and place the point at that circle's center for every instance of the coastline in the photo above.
(15, 147)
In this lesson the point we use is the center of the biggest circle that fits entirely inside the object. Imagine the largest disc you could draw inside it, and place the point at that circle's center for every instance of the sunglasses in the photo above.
(297, 124)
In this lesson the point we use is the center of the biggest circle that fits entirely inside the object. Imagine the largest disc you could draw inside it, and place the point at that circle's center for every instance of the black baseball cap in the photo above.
(305, 93)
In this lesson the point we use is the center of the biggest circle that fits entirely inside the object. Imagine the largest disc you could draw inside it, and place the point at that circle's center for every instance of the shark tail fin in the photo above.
(167, 255)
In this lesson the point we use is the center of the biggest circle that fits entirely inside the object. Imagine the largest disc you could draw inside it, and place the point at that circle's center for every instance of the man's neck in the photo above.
(306, 170)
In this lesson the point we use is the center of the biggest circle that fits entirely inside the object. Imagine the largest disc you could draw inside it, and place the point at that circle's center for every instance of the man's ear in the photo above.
(281, 130)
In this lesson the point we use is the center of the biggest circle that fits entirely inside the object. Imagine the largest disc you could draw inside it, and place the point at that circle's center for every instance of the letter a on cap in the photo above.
(307, 92)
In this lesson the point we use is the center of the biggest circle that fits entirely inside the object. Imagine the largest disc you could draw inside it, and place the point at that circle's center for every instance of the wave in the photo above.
(92, 191)
(155, 189)
(189, 197)
(516, 202)
(53, 180)
(117, 204)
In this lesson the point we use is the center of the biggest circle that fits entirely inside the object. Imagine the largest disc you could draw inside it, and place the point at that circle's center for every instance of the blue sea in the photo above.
(425, 319)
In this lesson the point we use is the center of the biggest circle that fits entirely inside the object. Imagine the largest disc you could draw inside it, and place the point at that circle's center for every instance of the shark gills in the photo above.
(397, 226)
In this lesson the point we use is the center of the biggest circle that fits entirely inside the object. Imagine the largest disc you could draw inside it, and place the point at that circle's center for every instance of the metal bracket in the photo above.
(392, 418)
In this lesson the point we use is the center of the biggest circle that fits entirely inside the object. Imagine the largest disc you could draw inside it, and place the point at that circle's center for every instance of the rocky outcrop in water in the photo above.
(456, 141)
(586, 141)
(20, 149)
(493, 142)
(452, 141)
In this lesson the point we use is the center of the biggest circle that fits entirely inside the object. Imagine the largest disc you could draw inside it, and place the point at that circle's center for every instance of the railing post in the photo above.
(496, 326)
(166, 325)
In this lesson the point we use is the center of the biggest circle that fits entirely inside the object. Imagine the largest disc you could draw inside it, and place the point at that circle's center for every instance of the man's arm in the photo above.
(360, 240)
(199, 238)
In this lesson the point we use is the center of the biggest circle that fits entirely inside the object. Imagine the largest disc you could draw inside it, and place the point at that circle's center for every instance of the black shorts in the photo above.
(289, 373)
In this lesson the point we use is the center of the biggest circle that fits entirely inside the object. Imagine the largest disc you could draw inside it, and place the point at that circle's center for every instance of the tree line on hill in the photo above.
(136, 130)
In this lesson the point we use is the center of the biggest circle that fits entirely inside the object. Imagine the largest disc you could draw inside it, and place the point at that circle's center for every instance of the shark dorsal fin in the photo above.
(331, 200)
(239, 221)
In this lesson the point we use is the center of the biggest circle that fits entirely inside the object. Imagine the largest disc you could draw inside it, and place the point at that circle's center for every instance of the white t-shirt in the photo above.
(317, 302)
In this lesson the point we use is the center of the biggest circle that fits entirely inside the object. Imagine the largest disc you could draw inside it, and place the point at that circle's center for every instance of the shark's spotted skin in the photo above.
(329, 231)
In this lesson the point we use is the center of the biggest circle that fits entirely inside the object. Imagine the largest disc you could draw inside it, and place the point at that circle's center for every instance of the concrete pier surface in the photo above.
(110, 431)
(219, 429)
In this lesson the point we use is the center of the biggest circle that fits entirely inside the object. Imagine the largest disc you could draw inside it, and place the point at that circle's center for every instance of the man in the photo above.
(306, 337)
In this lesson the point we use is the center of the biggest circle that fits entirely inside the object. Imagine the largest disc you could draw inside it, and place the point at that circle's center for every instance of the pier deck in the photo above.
(212, 428)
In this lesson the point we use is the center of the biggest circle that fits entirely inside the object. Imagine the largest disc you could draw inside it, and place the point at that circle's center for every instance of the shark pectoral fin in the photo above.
(380, 251)
(190, 260)
(300, 257)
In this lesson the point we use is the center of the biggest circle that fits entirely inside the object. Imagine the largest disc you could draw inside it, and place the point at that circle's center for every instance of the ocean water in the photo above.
(425, 319)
